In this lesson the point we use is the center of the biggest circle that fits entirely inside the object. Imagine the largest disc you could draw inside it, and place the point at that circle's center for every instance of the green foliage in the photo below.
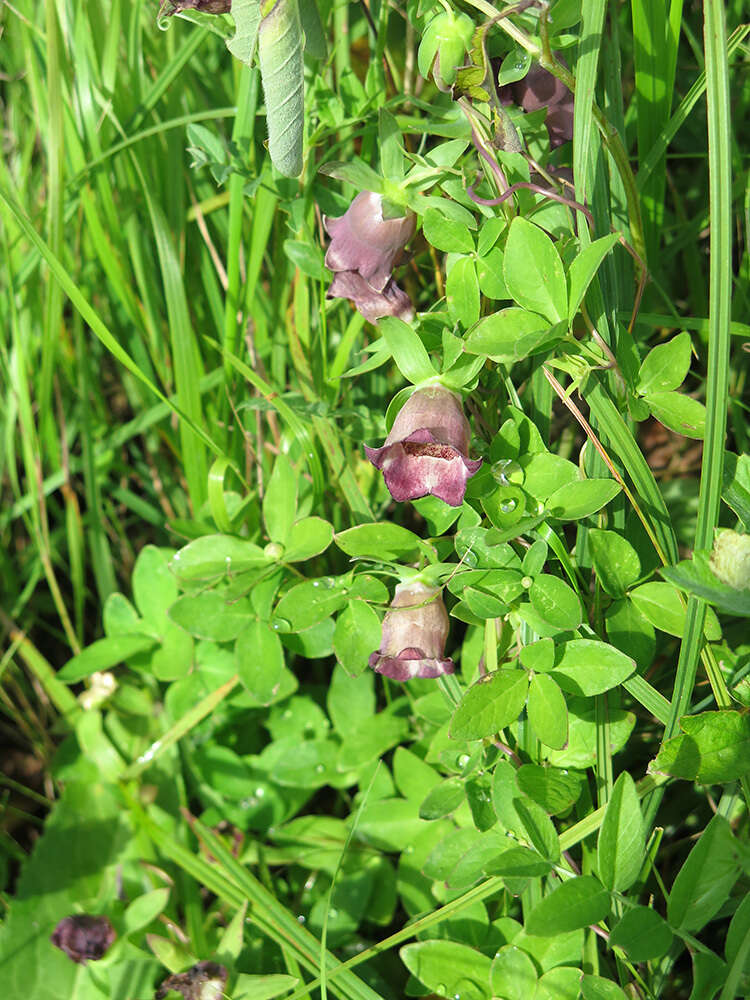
(197, 747)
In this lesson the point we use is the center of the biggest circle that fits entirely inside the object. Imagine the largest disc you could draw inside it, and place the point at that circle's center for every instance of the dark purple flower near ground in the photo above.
(540, 89)
(202, 981)
(83, 937)
(414, 632)
(426, 452)
(365, 247)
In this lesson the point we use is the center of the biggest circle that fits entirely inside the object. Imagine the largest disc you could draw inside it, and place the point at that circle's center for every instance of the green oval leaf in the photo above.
(490, 704)
(449, 968)
(589, 667)
(642, 934)
(578, 902)
(547, 711)
(621, 845)
(574, 501)
(533, 271)
(260, 660)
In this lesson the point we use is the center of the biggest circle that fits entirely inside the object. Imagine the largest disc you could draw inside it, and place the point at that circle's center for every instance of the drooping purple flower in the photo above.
(540, 89)
(415, 629)
(365, 247)
(83, 937)
(426, 452)
(391, 301)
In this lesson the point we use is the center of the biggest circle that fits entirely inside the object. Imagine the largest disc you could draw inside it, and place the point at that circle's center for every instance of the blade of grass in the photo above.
(285, 411)
(717, 380)
(54, 299)
(587, 64)
(186, 359)
(655, 43)
(57, 692)
(94, 320)
(682, 113)
(103, 450)
(262, 901)
(175, 732)
(242, 131)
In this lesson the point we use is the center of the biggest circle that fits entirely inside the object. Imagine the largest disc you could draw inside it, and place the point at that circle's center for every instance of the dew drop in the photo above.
(508, 506)
(281, 625)
(333, 913)
(506, 472)
(316, 583)
(260, 792)
(463, 760)
(526, 582)
(319, 768)
(300, 918)
(441, 988)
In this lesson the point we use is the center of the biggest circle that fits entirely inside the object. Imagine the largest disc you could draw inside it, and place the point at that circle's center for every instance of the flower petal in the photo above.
(392, 301)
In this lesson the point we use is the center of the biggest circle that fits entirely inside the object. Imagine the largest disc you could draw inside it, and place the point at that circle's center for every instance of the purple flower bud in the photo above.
(426, 450)
(365, 242)
(83, 938)
(540, 89)
(412, 643)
